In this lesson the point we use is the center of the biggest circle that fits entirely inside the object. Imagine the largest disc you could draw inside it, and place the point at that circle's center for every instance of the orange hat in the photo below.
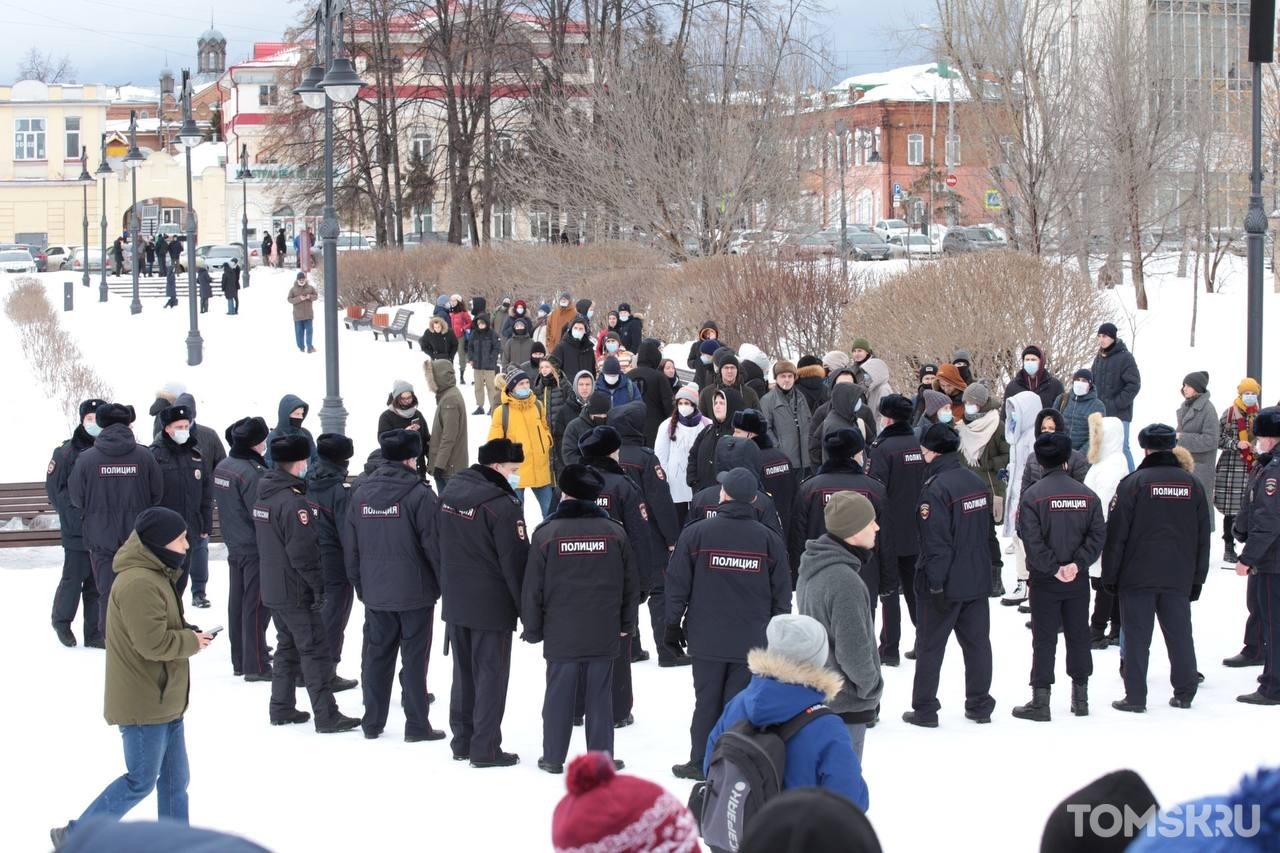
(951, 373)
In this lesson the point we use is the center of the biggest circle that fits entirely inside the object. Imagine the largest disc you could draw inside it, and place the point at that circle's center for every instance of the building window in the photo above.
(73, 137)
(420, 145)
(268, 96)
(502, 220)
(540, 225)
(28, 139)
(1006, 149)
(422, 219)
(953, 150)
(915, 149)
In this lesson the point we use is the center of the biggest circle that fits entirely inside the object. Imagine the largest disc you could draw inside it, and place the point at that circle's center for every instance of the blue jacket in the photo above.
(624, 392)
(1076, 413)
(821, 754)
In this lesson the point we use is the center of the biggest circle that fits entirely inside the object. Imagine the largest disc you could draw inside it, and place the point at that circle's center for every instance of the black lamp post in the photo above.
(132, 161)
(190, 136)
(842, 131)
(244, 176)
(104, 169)
(85, 179)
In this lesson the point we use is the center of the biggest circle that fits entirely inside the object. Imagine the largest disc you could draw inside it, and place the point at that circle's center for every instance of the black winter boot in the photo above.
(1037, 709)
(997, 584)
(1080, 698)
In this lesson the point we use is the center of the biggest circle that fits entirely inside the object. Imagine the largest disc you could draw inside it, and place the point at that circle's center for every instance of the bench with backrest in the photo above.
(397, 328)
(365, 320)
(28, 500)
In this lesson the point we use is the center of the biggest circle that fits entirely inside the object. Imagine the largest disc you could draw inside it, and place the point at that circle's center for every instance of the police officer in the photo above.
(235, 489)
(328, 494)
(1062, 530)
(622, 499)
(111, 483)
(953, 580)
(483, 550)
(77, 578)
(390, 545)
(842, 472)
(293, 587)
(1258, 525)
(1156, 559)
(727, 578)
(641, 465)
(581, 594)
(733, 452)
(186, 478)
(777, 475)
(213, 452)
(895, 459)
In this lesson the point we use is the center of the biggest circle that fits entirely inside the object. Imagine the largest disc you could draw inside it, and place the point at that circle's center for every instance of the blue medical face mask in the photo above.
(522, 393)
(94, 430)
(1247, 399)
(302, 475)
(1031, 366)
(611, 346)
(945, 415)
(513, 480)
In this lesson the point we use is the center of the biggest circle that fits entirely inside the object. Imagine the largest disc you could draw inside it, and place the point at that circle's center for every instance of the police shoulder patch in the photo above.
(924, 512)
(53, 463)
(1112, 507)
(1269, 487)
(196, 472)
(657, 469)
(520, 530)
(644, 511)
(304, 517)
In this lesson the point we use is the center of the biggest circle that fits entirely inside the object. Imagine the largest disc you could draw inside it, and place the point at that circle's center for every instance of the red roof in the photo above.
(268, 49)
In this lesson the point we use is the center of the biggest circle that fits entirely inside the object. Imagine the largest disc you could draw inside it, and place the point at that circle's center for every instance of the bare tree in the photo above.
(45, 67)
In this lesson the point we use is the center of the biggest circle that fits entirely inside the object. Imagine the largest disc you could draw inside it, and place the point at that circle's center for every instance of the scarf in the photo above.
(690, 420)
(1242, 416)
(974, 436)
(404, 413)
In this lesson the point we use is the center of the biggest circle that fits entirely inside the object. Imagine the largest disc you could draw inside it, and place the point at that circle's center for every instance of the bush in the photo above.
(393, 276)
(992, 304)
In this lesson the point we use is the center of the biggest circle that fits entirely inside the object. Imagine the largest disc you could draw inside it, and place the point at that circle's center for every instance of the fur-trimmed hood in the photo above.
(1106, 437)
(769, 664)
(811, 371)
(1185, 460)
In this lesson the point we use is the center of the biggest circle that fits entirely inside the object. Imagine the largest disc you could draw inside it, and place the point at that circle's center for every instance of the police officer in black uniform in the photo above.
(641, 465)
(733, 452)
(581, 594)
(727, 578)
(111, 483)
(328, 494)
(483, 551)
(390, 544)
(293, 587)
(777, 477)
(1258, 526)
(1062, 529)
(77, 578)
(186, 478)
(235, 489)
(953, 580)
(1156, 558)
(842, 472)
(895, 459)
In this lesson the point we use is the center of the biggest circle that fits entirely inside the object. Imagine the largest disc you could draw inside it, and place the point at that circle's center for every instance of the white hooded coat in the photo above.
(1106, 456)
(877, 386)
(1020, 431)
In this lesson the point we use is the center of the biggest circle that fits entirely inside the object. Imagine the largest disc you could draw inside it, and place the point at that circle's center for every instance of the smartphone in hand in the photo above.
(213, 632)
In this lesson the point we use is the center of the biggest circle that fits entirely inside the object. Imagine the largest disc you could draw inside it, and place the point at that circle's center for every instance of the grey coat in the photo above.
(1198, 429)
(789, 419)
(830, 591)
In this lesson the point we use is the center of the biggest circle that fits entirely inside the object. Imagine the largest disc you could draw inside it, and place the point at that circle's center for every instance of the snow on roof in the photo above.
(145, 125)
(265, 57)
(908, 83)
(130, 94)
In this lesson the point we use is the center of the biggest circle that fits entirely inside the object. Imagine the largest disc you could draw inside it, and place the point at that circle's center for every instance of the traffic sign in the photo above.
(951, 180)
(992, 200)
(897, 188)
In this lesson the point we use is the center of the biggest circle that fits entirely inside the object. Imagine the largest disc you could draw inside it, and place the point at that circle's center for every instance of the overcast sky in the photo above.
(129, 41)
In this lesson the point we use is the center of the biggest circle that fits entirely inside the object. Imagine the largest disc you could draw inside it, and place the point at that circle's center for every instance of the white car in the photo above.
(17, 260)
(913, 245)
(214, 258)
(58, 257)
(890, 228)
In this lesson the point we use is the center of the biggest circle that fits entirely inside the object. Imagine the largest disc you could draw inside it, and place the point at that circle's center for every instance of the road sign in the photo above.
(951, 180)
(991, 201)
(897, 193)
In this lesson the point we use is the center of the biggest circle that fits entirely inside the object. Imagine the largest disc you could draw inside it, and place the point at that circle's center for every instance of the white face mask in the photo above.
(624, 317)
(1080, 387)
(514, 480)
(591, 312)
(611, 379)
(706, 359)
(181, 436)
(970, 409)
(685, 409)
(577, 334)
(94, 430)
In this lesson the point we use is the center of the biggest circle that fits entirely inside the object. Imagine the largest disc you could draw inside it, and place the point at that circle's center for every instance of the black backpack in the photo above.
(747, 767)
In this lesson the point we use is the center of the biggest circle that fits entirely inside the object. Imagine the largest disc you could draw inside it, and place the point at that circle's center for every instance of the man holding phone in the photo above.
(148, 674)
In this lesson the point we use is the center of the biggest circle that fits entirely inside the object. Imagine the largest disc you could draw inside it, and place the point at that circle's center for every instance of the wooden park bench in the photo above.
(398, 328)
(365, 320)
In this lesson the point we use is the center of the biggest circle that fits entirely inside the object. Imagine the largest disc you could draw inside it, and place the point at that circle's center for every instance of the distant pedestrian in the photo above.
(303, 244)
(266, 249)
(175, 252)
(231, 286)
(170, 289)
(302, 296)
(117, 256)
(281, 248)
(149, 250)
(162, 254)
(206, 289)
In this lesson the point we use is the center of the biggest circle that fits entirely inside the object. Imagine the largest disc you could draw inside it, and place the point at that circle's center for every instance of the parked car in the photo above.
(215, 258)
(864, 246)
(79, 256)
(914, 246)
(888, 228)
(58, 257)
(16, 261)
(809, 247)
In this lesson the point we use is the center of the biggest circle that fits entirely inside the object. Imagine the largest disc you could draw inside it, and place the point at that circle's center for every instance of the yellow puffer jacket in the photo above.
(527, 427)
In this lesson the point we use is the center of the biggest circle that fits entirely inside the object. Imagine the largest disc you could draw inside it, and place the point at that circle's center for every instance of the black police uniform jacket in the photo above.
(1258, 523)
(706, 504)
(329, 495)
(581, 588)
(56, 485)
(895, 459)
(642, 467)
(111, 483)
(483, 549)
(235, 490)
(1158, 534)
(727, 578)
(778, 478)
(622, 499)
(187, 486)
(288, 543)
(390, 540)
(1059, 522)
(955, 524)
(809, 520)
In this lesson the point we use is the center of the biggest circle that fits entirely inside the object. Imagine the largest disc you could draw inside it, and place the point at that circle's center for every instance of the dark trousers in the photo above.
(75, 584)
(564, 679)
(1255, 635)
(1139, 610)
(971, 622)
(1268, 587)
(891, 633)
(623, 699)
(204, 305)
(1051, 611)
(715, 682)
(103, 577)
(233, 304)
(338, 597)
(481, 670)
(1106, 608)
(301, 645)
(386, 634)
(247, 616)
(658, 621)
(198, 561)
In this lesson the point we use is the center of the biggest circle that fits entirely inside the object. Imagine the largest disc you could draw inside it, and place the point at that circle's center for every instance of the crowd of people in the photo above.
(762, 514)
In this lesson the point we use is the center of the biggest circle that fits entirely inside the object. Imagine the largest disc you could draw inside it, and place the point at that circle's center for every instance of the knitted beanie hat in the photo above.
(604, 812)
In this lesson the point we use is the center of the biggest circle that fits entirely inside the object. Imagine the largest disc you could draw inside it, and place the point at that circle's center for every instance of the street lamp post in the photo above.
(190, 136)
(320, 89)
(132, 161)
(103, 170)
(244, 175)
(85, 179)
(842, 131)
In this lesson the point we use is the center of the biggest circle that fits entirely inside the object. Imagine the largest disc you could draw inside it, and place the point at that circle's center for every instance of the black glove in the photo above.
(531, 637)
(674, 637)
(1095, 583)
(1195, 591)
(438, 473)
(1003, 475)
(939, 600)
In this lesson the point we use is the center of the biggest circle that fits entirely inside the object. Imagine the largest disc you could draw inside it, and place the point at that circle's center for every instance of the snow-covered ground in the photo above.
(958, 787)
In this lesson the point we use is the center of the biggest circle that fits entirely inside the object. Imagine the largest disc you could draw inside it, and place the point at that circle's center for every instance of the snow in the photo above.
(908, 83)
(291, 789)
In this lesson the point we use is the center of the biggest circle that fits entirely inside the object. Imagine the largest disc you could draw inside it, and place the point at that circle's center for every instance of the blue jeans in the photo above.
(1128, 457)
(233, 304)
(155, 758)
(543, 496)
(302, 329)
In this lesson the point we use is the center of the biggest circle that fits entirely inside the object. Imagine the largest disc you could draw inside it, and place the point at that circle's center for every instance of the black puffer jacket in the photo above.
(701, 472)
(655, 389)
(1117, 380)
(112, 482)
(329, 495)
(1034, 471)
(187, 484)
(574, 355)
(483, 347)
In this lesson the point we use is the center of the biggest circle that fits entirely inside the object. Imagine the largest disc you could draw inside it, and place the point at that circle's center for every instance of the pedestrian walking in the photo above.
(205, 283)
(302, 297)
(482, 351)
(282, 245)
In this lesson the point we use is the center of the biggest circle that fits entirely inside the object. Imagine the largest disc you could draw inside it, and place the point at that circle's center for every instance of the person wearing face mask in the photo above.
(1077, 405)
(1036, 378)
(952, 383)
(613, 382)
(483, 351)
(847, 409)
(290, 414)
(1235, 464)
(76, 582)
(674, 441)
(962, 362)
(575, 352)
(610, 325)
(517, 348)
(403, 412)
(936, 409)
(927, 375)
(593, 412)
(983, 444)
(519, 311)
(1197, 427)
(704, 374)
(560, 317)
(537, 355)
(611, 345)
(630, 327)
(1116, 379)
(700, 471)
(521, 419)
(187, 485)
(655, 388)
(540, 323)
(483, 550)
